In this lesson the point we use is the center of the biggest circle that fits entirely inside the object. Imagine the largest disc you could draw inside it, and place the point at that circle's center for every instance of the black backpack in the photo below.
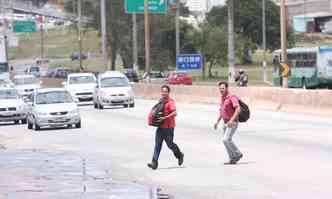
(244, 112)
(157, 112)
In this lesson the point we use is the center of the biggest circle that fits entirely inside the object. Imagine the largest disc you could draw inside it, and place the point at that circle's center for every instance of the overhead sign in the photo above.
(24, 26)
(137, 6)
(189, 61)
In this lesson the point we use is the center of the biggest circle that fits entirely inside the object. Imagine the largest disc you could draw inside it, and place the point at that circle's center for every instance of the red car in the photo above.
(179, 78)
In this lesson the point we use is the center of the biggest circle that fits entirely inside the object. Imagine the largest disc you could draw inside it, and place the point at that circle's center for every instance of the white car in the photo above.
(26, 84)
(12, 107)
(113, 88)
(52, 107)
(81, 86)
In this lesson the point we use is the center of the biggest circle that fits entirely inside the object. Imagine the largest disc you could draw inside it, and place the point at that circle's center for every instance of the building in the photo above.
(303, 7)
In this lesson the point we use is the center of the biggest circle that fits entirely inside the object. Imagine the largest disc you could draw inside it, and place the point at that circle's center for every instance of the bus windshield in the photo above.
(4, 68)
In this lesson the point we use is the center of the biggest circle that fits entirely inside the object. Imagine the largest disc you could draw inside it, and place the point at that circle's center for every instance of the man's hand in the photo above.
(230, 124)
(216, 126)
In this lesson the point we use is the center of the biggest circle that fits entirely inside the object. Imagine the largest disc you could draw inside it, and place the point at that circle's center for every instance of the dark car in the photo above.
(131, 75)
(76, 56)
(61, 73)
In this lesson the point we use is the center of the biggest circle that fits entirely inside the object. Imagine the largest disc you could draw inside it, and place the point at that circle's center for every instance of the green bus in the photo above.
(309, 67)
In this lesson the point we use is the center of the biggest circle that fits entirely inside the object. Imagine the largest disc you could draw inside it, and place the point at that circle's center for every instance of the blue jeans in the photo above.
(167, 135)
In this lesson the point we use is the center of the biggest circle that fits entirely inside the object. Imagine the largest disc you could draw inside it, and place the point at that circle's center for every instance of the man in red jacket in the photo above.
(165, 132)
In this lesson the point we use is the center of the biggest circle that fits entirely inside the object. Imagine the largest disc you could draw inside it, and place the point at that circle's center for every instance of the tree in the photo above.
(211, 41)
(248, 24)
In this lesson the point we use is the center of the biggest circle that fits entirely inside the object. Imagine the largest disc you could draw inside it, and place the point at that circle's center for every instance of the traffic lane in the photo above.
(275, 164)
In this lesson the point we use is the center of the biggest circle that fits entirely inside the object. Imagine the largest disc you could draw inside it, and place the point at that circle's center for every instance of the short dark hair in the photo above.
(167, 87)
(223, 83)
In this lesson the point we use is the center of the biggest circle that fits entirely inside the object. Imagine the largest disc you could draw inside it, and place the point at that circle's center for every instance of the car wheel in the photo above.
(30, 125)
(78, 125)
(132, 105)
(95, 105)
(16, 121)
(24, 121)
(125, 105)
(37, 127)
(100, 106)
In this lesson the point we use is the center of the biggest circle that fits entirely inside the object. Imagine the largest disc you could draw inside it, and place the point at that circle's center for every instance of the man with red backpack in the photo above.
(165, 130)
(229, 111)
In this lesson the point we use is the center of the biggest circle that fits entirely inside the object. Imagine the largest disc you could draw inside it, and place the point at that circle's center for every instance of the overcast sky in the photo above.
(218, 2)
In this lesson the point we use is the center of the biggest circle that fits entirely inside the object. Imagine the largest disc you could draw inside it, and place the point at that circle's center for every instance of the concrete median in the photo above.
(270, 98)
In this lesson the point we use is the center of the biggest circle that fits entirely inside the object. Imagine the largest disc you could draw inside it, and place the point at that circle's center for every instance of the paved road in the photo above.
(285, 155)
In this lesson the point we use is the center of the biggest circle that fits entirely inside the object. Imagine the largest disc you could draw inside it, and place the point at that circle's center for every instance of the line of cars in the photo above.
(158, 77)
(58, 107)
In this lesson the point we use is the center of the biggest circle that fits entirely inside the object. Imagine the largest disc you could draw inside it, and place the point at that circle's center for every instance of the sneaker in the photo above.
(230, 162)
(153, 165)
(238, 157)
(180, 159)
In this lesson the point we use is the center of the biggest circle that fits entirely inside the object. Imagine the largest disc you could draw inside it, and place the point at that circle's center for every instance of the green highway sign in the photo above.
(24, 26)
(137, 6)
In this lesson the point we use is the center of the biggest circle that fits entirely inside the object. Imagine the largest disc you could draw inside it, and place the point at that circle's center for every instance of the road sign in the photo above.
(189, 61)
(137, 6)
(285, 70)
(24, 26)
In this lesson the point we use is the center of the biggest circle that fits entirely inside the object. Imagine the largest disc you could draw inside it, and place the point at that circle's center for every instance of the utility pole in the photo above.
(231, 41)
(79, 11)
(135, 57)
(283, 40)
(177, 27)
(103, 32)
(147, 36)
(264, 39)
(41, 37)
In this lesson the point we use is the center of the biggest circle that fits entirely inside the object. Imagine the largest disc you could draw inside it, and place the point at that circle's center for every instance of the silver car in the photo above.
(113, 89)
(12, 107)
(52, 107)
(26, 84)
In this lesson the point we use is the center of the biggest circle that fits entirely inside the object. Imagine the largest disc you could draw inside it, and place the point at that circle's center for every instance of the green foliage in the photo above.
(248, 25)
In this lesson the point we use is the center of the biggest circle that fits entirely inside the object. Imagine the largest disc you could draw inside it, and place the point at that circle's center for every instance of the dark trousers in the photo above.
(167, 135)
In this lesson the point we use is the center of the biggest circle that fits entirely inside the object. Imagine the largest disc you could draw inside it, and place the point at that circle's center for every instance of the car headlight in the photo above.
(74, 112)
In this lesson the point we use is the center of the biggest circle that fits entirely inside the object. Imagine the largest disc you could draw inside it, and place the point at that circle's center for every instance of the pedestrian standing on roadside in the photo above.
(165, 132)
(229, 112)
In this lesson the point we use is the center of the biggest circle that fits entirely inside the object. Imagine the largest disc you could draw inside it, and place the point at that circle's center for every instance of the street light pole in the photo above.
(177, 27)
(147, 36)
(283, 40)
(135, 57)
(264, 39)
(231, 41)
(79, 9)
(103, 33)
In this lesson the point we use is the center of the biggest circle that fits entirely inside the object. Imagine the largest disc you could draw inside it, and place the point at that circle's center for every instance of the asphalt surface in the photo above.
(285, 155)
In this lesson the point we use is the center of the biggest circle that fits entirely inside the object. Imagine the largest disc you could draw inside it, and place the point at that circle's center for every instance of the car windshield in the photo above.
(8, 94)
(34, 69)
(114, 82)
(156, 75)
(26, 80)
(53, 97)
(81, 80)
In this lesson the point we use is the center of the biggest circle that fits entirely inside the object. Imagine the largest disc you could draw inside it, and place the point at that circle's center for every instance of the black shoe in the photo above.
(153, 165)
(180, 159)
(238, 157)
(230, 162)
